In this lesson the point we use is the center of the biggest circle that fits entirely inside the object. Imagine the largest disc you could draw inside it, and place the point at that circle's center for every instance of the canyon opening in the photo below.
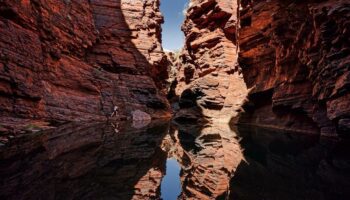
(175, 99)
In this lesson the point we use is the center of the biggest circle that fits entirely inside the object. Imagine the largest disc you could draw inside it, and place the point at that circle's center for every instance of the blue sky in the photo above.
(172, 36)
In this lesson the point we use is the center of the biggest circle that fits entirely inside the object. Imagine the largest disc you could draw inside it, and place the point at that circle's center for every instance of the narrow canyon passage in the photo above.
(175, 99)
(205, 79)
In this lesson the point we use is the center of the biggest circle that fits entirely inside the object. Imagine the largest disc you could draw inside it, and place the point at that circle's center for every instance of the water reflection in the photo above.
(291, 166)
(88, 161)
(171, 184)
(168, 161)
(209, 155)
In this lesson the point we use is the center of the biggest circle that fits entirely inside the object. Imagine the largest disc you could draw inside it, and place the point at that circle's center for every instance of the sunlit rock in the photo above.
(208, 61)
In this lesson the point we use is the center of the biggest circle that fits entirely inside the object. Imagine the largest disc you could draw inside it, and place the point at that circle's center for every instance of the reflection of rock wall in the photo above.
(74, 60)
(295, 56)
(209, 58)
(85, 162)
(93, 161)
(208, 155)
(290, 167)
(100, 161)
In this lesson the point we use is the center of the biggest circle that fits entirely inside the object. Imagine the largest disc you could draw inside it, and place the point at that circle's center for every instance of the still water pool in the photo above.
(169, 161)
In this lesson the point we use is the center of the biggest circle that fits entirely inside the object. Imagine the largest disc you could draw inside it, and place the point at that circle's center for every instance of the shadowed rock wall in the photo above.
(295, 57)
(76, 59)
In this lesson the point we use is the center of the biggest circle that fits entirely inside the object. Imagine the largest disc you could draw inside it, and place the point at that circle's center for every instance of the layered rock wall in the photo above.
(77, 59)
(209, 58)
(295, 57)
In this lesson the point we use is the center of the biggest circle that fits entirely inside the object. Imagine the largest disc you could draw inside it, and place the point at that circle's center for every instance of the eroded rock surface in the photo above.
(76, 60)
(296, 57)
(209, 58)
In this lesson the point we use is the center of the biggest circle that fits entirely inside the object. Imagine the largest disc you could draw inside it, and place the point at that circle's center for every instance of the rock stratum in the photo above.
(209, 70)
(295, 57)
(75, 60)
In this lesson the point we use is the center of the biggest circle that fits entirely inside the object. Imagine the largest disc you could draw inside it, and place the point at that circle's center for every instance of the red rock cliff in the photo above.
(209, 58)
(75, 60)
(295, 57)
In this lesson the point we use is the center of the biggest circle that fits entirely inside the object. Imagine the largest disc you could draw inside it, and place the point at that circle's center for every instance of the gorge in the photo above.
(256, 105)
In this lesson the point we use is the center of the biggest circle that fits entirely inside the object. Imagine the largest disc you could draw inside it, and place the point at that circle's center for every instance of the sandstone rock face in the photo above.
(75, 60)
(174, 65)
(209, 58)
(296, 57)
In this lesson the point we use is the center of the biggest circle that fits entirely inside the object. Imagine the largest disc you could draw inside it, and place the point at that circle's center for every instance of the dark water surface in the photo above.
(163, 160)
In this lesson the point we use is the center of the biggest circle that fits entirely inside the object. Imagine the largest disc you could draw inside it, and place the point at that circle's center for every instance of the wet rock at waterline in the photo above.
(138, 115)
